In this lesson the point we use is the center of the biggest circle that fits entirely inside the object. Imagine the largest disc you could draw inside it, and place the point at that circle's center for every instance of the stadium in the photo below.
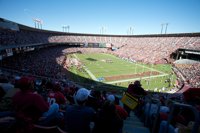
(166, 63)
(105, 59)
(86, 81)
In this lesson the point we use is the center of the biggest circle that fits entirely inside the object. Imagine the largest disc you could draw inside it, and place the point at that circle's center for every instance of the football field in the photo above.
(109, 69)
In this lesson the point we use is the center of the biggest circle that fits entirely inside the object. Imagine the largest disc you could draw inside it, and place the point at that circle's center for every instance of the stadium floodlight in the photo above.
(41, 22)
(166, 27)
(38, 23)
(65, 28)
(130, 31)
(34, 23)
(68, 27)
(102, 30)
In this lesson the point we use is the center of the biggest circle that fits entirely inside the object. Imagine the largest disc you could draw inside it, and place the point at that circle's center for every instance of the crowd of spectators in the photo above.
(56, 103)
(67, 106)
(45, 62)
(146, 49)
(155, 49)
(22, 37)
(191, 73)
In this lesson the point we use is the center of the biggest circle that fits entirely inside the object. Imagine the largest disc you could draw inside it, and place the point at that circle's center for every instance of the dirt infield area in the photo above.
(138, 75)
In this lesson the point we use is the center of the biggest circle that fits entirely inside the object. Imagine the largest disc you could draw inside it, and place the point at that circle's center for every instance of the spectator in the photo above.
(56, 96)
(26, 102)
(94, 99)
(108, 121)
(135, 90)
(4, 83)
(121, 112)
(78, 117)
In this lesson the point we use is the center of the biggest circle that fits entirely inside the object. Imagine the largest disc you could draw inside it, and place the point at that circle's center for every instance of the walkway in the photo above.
(133, 125)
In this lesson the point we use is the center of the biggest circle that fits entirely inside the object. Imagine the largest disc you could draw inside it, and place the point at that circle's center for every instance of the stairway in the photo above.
(133, 125)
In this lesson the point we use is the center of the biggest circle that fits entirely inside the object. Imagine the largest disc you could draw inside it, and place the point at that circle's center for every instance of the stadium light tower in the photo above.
(35, 23)
(65, 28)
(166, 27)
(68, 27)
(41, 22)
(130, 31)
(102, 30)
(38, 23)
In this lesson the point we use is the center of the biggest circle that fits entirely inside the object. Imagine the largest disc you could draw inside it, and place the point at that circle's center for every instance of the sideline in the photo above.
(88, 71)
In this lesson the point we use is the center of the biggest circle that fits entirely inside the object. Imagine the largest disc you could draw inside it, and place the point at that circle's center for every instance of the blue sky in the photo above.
(116, 16)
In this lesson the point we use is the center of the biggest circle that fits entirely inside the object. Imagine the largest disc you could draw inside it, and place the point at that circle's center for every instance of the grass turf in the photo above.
(106, 65)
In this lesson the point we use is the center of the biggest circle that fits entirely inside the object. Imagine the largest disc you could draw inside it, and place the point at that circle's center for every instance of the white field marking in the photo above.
(88, 71)
(126, 80)
(151, 68)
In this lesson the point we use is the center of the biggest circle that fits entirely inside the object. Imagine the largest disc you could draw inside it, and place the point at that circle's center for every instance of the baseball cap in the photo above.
(82, 94)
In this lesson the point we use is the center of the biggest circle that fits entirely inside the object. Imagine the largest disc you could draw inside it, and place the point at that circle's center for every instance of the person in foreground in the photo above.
(137, 91)
(28, 106)
(78, 117)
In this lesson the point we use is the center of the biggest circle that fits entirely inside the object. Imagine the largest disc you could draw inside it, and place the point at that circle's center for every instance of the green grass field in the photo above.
(102, 65)
(96, 64)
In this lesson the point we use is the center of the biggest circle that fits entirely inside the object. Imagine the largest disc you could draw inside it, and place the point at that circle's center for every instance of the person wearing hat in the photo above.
(78, 117)
(136, 91)
(28, 106)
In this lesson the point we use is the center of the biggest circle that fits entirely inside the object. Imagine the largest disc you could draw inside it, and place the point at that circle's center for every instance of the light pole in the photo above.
(166, 25)
(166, 28)
(37, 23)
(102, 30)
(130, 31)
(40, 22)
(68, 27)
(34, 22)
(65, 28)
